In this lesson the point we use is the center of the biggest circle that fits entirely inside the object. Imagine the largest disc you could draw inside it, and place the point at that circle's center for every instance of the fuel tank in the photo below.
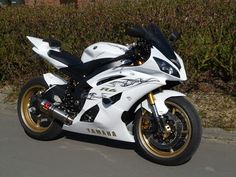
(103, 50)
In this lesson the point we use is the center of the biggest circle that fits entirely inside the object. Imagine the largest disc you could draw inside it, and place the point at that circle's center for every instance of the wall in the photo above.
(38, 2)
(56, 2)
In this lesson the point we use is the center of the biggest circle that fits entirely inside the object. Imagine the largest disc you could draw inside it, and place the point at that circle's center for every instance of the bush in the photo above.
(207, 44)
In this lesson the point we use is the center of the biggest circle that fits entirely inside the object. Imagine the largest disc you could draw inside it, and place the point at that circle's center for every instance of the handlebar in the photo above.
(140, 50)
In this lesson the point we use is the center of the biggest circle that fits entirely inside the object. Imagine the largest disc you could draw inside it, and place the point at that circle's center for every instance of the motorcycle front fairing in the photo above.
(130, 84)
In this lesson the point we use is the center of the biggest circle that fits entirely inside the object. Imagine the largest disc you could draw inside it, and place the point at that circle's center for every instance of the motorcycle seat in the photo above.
(64, 57)
(75, 64)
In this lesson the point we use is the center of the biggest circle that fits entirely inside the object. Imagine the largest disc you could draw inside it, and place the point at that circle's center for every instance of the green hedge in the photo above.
(208, 32)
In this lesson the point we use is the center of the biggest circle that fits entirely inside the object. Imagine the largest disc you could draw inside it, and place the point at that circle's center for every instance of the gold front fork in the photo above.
(151, 101)
(139, 62)
(151, 98)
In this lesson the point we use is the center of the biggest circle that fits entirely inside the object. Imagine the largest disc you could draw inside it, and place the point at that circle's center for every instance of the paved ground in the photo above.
(84, 156)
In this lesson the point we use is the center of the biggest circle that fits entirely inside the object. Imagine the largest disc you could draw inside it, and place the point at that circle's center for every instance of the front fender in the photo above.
(52, 79)
(160, 101)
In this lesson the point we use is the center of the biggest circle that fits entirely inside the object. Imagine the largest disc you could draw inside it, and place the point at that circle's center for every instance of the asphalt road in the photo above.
(83, 156)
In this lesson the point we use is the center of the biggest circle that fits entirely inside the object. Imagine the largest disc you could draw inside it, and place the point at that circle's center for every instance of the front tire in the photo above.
(36, 124)
(155, 147)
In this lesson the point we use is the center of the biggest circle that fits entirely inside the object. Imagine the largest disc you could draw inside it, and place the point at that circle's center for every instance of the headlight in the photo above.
(166, 67)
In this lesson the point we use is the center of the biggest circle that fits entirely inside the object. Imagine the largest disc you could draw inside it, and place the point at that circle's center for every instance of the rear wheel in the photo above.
(178, 140)
(34, 122)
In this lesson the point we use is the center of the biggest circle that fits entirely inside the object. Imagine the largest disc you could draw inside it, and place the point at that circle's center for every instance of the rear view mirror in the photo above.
(174, 37)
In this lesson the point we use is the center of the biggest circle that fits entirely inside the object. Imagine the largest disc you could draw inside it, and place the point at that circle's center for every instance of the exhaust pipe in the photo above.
(49, 109)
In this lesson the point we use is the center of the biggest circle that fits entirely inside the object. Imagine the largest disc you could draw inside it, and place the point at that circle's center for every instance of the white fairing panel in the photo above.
(182, 71)
(151, 65)
(52, 79)
(102, 50)
(160, 101)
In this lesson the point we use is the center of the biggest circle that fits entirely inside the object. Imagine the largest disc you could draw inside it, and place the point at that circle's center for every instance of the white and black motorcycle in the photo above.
(117, 92)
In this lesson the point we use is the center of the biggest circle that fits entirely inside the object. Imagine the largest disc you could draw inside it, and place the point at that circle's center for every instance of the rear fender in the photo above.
(52, 79)
(160, 101)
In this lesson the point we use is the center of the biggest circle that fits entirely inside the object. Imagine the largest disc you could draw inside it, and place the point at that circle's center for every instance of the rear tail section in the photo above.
(42, 47)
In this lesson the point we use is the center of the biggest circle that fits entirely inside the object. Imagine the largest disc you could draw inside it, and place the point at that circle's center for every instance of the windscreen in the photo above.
(154, 36)
(160, 41)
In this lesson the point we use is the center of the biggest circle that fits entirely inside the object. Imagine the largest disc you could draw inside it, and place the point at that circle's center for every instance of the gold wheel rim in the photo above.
(187, 131)
(25, 113)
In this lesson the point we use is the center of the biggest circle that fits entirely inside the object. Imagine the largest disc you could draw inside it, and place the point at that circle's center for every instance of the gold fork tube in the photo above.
(151, 98)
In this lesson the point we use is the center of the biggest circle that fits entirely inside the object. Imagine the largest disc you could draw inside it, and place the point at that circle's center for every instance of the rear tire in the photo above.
(186, 146)
(37, 127)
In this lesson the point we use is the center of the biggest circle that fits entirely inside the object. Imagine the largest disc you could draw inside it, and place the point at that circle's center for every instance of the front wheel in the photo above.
(179, 139)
